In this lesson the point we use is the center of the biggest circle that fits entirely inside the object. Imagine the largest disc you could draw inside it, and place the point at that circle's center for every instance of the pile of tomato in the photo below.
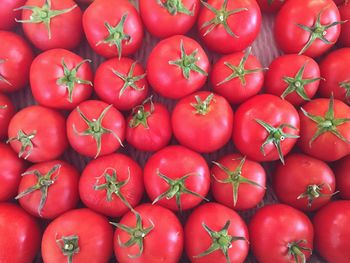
(282, 131)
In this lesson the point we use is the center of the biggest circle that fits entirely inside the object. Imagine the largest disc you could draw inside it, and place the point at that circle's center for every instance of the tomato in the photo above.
(19, 235)
(307, 27)
(95, 128)
(237, 182)
(111, 185)
(215, 233)
(7, 110)
(121, 82)
(280, 233)
(332, 232)
(66, 82)
(233, 24)
(325, 129)
(118, 32)
(177, 66)
(202, 121)
(148, 126)
(342, 177)
(304, 182)
(266, 128)
(293, 77)
(237, 76)
(8, 15)
(78, 236)
(344, 38)
(176, 178)
(159, 238)
(169, 17)
(38, 134)
(270, 6)
(15, 59)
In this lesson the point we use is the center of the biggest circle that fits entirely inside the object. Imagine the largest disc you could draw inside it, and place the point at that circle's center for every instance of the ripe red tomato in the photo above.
(95, 128)
(237, 182)
(237, 76)
(113, 28)
(293, 77)
(229, 26)
(215, 233)
(67, 80)
(270, 6)
(121, 82)
(177, 66)
(78, 236)
(202, 121)
(19, 235)
(307, 27)
(38, 134)
(8, 15)
(280, 233)
(332, 232)
(15, 59)
(111, 185)
(344, 38)
(52, 24)
(341, 171)
(325, 129)
(7, 110)
(266, 128)
(150, 234)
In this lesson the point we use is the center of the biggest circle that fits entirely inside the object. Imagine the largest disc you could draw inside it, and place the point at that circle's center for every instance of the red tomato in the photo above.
(344, 38)
(15, 59)
(19, 235)
(176, 178)
(280, 233)
(78, 236)
(148, 126)
(215, 233)
(332, 232)
(158, 236)
(113, 28)
(238, 76)
(177, 66)
(66, 82)
(121, 82)
(266, 128)
(293, 77)
(237, 182)
(341, 171)
(325, 129)
(270, 6)
(111, 185)
(38, 134)
(95, 128)
(8, 15)
(7, 110)
(229, 26)
(202, 121)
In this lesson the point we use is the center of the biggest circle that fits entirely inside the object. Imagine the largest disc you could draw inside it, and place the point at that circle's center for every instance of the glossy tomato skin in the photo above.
(8, 15)
(15, 59)
(48, 127)
(332, 232)
(19, 235)
(45, 87)
(342, 177)
(7, 110)
(113, 11)
(292, 226)
(163, 243)
(95, 237)
(272, 7)
(206, 132)
(215, 216)
(288, 66)
(344, 38)
(108, 86)
(168, 80)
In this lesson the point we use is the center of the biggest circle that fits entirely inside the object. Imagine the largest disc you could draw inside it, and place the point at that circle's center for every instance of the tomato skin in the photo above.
(95, 243)
(332, 232)
(344, 38)
(7, 110)
(168, 80)
(270, 8)
(19, 235)
(8, 15)
(342, 177)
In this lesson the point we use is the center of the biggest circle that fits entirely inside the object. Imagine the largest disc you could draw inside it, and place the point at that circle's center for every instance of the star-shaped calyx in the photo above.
(175, 6)
(140, 115)
(346, 85)
(26, 142)
(2, 78)
(296, 249)
(69, 246)
(313, 192)
(203, 107)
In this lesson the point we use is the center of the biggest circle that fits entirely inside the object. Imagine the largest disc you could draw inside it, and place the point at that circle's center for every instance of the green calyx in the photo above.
(187, 63)
(2, 78)
(327, 123)
(203, 107)
(69, 246)
(221, 16)
(235, 178)
(345, 85)
(43, 184)
(296, 249)
(140, 115)
(221, 240)
(313, 192)
(96, 129)
(26, 142)
(175, 6)
(276, 136)
(44, 14)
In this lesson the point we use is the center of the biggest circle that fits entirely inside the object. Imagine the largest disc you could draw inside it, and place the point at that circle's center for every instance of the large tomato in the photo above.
(344, 11)
(270, 6)
(8, 14)
(341, 171)
(7, 110)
